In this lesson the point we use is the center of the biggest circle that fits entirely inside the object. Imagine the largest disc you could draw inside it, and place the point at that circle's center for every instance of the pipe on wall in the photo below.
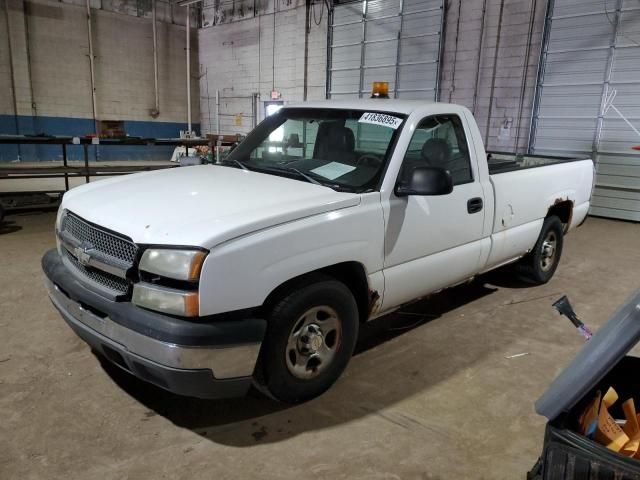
(273, 46)
(307, 30)
(188, 30)
(396, 81)
(493, 76)
(482, 25)
(254, 109)
(13, 79)
(217, 112)
(327, 88)
(92, 70)
(441, 42)
(11, 71)
(542, 60)
(452, 87)
(525, 69)
(34, 109)
(606, 87)
(156, 109)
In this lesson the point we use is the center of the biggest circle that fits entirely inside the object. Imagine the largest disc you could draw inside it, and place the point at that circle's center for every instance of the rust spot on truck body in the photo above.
(374, 303)
(563, 208)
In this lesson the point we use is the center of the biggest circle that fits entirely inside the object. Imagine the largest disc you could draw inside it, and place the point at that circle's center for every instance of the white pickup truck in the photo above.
(205, 280)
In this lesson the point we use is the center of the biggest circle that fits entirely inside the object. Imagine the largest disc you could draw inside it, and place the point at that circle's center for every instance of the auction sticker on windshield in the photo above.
(380, 119)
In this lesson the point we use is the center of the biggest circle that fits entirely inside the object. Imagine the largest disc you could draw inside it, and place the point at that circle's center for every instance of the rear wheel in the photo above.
(539, 265)
(310, 338)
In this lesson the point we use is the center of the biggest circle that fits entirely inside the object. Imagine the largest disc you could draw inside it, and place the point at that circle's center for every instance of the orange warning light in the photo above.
(380, 90)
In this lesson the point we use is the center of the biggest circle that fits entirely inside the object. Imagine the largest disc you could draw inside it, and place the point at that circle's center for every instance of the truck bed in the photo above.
(502, 162)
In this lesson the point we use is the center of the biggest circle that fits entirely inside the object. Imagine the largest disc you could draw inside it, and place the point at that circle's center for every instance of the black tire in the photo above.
(1, 213)
(281, 364)
(537, 267)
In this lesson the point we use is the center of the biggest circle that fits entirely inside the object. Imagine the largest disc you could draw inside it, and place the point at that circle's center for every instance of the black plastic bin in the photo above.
(602, 363)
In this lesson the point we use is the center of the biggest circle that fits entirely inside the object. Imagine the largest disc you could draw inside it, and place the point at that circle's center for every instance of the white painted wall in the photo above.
(235, 45)
(6, 99)
(237, 57)
(240, 56)
(57, 67)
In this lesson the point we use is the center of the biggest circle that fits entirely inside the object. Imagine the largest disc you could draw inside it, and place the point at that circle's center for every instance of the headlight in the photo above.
(167, 300)
(176, 264)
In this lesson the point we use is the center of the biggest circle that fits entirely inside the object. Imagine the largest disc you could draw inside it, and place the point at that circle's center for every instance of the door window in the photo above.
(439, 141)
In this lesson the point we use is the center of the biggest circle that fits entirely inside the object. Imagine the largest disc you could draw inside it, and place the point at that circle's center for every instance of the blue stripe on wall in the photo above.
(28, 125)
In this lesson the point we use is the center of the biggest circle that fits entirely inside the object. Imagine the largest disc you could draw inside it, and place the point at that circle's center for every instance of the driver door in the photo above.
(432, 242)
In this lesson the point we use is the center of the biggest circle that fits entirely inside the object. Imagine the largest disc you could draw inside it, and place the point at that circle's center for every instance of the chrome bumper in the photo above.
(224, 362)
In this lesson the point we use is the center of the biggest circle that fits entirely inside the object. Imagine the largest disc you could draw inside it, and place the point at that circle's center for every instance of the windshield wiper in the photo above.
(240, 164)
(308, 178)
(334, 186)
(299, 173)
(237, 162)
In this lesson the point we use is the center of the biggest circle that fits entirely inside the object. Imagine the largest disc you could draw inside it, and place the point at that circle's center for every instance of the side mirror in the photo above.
(426, 181)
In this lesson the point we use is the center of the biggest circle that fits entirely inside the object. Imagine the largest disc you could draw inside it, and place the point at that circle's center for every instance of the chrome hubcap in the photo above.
(313, 342)
(549, 246)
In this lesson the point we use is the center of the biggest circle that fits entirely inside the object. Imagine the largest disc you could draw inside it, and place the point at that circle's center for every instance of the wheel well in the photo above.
(563, 210)
(352, 274)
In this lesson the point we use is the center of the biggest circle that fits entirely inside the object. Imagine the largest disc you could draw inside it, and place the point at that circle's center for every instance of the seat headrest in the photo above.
(333, 137)
(340, 138)
(436, 151)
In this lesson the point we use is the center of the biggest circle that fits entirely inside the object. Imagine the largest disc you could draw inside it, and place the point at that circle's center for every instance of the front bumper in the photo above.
(212, 359)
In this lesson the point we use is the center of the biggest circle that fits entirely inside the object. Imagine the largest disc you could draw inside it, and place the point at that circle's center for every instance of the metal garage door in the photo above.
(592, 50)
(397, 41)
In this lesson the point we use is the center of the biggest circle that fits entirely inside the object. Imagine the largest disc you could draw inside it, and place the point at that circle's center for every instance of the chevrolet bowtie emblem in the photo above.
(82, 255)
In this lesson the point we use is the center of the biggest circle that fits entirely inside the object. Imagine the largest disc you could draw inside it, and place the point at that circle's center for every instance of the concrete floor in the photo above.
(427, 396)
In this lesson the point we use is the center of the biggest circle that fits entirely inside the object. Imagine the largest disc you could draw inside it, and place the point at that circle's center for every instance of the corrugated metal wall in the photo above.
(593, 49)
(397, 41)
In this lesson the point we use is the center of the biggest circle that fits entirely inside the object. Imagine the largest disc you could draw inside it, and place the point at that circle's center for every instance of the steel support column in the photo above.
(607, 81)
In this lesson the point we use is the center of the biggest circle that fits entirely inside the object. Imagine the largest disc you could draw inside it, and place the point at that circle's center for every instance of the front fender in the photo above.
(242, 272)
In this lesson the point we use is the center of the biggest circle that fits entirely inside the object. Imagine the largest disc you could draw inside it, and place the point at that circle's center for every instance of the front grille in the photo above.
(116, 284)
(101, 240)
(117, 248)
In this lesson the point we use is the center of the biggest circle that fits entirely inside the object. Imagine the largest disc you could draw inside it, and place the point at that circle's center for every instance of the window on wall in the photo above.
(440, 141)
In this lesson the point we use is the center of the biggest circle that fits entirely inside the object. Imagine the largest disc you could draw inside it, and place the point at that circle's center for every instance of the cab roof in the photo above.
(389, 105)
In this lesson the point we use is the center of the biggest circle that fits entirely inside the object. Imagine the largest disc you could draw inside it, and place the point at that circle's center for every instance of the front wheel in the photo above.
(310, 338)
(539, 265)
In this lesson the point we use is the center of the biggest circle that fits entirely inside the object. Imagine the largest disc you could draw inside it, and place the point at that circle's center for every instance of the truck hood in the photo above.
(200, 205)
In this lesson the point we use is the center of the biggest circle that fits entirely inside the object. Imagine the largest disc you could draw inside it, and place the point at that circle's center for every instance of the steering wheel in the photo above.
(369, 159)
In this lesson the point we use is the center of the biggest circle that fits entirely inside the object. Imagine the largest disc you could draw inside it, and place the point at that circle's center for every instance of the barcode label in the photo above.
(381, 119)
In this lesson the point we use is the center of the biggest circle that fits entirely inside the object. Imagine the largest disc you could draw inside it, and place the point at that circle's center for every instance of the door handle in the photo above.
(474, 205)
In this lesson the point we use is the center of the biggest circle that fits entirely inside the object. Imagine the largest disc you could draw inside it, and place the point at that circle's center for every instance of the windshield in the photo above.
(342, 149)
